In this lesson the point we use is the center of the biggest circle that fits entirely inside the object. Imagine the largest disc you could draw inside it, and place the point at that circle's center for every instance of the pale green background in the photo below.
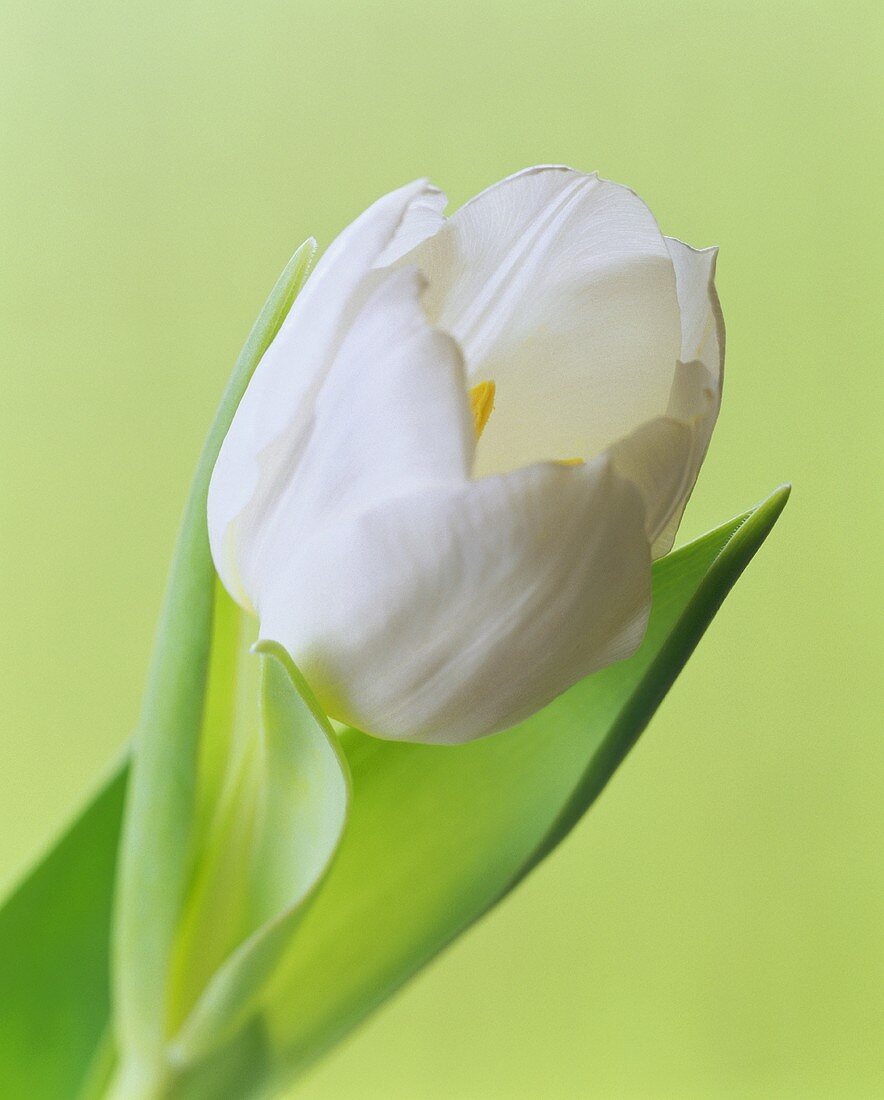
(713, 928)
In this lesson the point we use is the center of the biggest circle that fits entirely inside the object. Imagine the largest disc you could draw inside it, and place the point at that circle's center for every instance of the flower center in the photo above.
(481, 405)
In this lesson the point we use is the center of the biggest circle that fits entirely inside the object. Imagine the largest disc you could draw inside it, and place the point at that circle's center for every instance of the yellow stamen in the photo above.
(481, 404)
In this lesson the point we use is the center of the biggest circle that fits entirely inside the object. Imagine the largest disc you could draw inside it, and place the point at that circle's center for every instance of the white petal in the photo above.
(558, 286)
(696, 390)
(423, 219)
(657, 458)
(273, 418)
(392, 418)
(702, 323)
(448, 614)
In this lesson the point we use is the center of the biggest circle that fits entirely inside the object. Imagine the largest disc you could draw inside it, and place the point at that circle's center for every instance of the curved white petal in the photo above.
(663, 456)
(696, 390)
(559, 287)
(424, 218)
(447, 614)
(702, 323)
(392, 418)
(657, 458)
(273, 419)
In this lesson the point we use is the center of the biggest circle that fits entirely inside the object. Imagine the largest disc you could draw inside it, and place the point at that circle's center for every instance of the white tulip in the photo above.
(446, 482)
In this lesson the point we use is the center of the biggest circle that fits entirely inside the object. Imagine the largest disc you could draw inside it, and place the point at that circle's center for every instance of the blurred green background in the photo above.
(713, 928)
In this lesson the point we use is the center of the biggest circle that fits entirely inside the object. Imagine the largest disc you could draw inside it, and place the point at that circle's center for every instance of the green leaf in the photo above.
(161, 807)
(438, 834)
(54, 936)
(271, 846)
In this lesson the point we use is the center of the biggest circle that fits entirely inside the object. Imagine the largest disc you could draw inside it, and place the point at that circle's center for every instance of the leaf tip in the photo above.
(773, 505)
(267, 647)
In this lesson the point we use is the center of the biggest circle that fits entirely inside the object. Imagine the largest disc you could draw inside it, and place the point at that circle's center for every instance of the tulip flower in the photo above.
(446, 482)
